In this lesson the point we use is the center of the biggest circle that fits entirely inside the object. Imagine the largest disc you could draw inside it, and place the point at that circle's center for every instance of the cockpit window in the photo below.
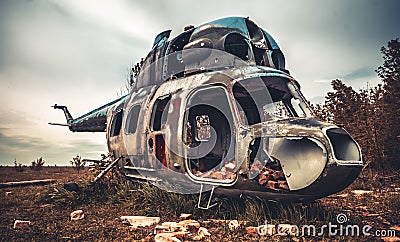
(236, 44)
(267, 98)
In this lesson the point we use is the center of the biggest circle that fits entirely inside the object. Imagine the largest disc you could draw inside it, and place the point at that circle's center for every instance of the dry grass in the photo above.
(48, 208)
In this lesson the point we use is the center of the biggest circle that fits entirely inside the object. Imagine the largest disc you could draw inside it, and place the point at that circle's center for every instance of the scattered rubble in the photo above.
(182, 230)
(77, 215)
(189, 224)
(360, 192)
(18, 224)
(227, 172)
(140, 221)
(201, 234)
(391, 238)
(233, 224)
(206, 223)
(252, 231)
(166, 237)
(185, 216)
(272, 176)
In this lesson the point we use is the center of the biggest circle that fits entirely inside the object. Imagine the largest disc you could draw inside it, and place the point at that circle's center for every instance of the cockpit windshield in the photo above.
(269, 98)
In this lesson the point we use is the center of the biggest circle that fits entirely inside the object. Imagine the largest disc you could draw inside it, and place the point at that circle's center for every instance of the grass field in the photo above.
(48, 208)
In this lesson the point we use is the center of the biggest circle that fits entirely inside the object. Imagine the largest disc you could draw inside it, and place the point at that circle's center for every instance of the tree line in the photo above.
(371, 115)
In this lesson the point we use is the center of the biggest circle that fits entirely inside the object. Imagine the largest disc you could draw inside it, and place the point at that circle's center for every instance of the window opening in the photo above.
(236, 44)
(116, 124)
(175, 62)
(267, 98)
(209, 122)
(132, 120)
(160, 113)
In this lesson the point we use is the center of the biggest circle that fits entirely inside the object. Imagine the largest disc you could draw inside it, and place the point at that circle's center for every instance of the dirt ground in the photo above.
(51, 221)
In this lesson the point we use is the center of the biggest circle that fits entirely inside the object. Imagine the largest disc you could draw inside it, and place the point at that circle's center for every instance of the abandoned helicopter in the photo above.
(214, 109)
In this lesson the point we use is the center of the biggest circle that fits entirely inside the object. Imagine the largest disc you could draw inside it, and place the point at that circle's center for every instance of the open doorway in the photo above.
(209, 135)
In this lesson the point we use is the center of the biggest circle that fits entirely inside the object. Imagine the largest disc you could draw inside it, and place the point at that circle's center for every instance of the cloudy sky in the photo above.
(77, 53)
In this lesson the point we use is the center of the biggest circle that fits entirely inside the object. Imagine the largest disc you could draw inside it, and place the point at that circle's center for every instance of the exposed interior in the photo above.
(344, 146)
(277, 169)
(305, 161)
(158, 115)
(160, 150)
(209, 119)
(263, 99)
(266, 169)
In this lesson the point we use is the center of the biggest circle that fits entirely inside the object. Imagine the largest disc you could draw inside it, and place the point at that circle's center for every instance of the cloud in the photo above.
(364, 72)
(15, 118)
(26, 149)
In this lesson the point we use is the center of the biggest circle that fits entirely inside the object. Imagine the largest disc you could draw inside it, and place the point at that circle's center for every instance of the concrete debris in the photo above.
(18, 224)
(189, 224)
(253, 231)
(182, 226)
(230, 166)
(183, 230)
(391, 239)
(360, 192)
(201, 234)
(181, 235)
(169, 227)
(162, 229)
(77, 215)
(233, 224)
(271, 178)
(227, 172)
(166, 237)
(206, 223)
(185, 216)
(140, 221)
